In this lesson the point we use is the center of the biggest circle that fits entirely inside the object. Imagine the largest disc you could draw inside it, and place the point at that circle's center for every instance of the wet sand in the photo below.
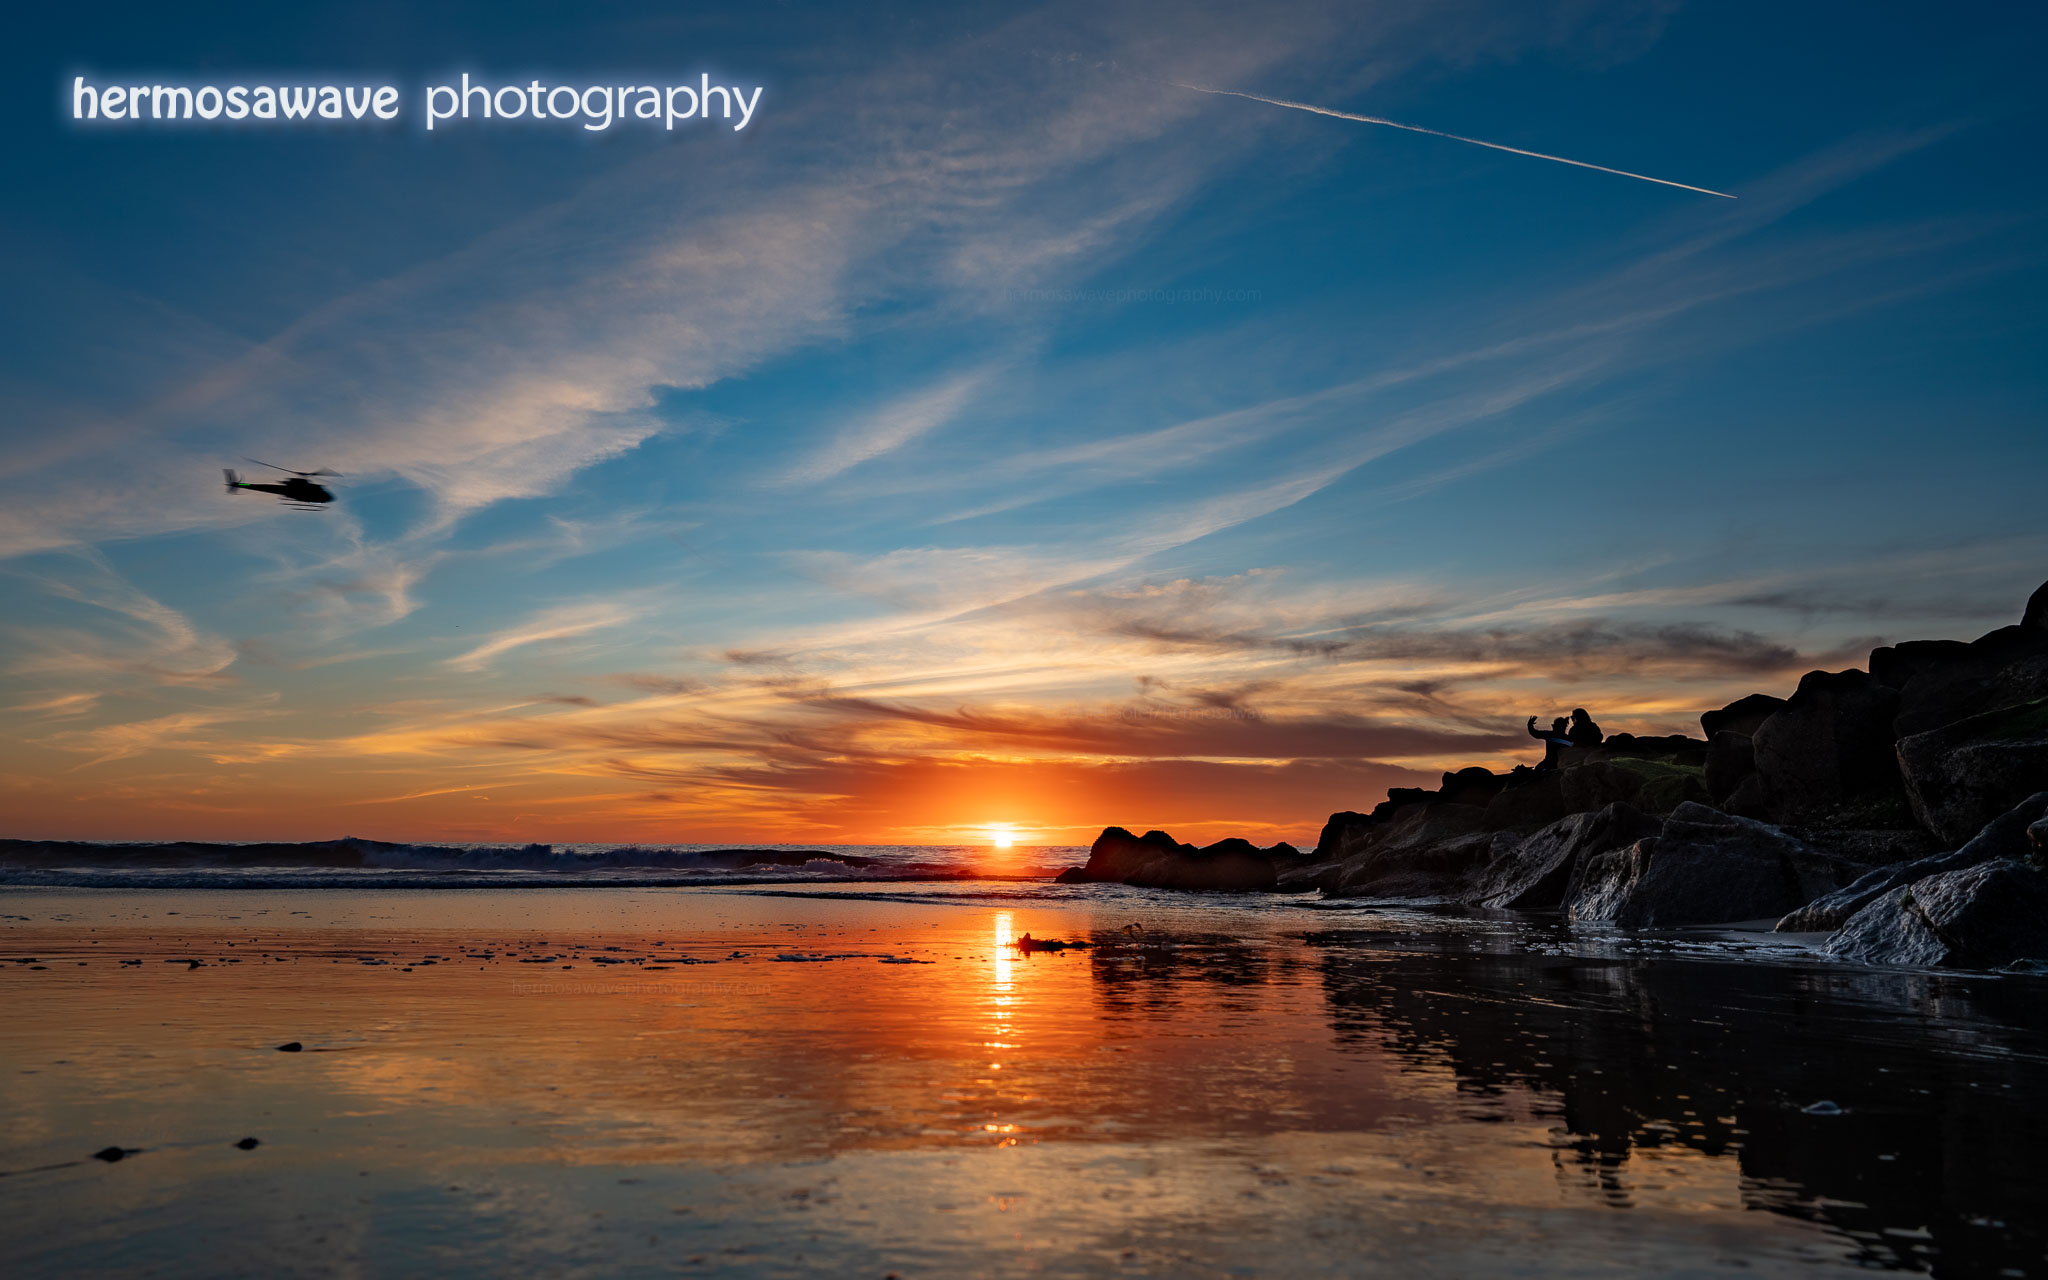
(848, 1083)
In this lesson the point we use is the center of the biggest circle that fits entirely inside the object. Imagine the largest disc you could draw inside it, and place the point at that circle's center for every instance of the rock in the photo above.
(2001, 669)
(1156, 860)
(290, 1047)
(1706, 867)
(1535, 874)
(1423, 851)
(1750, 799)
(1869, 849)
(1962, 775)
(2006, 836)
(1399, 798)
(111, 1154)
(1831, 742)
(1528, 801)
(1073, 875)
(1650, 785)
(1897, 665)
(1335, 830)
(1474, 786)
(1740, 716)
(1981, 917)
(249, 1144)
(2038, 836)
(1730, 759)
(2035, 619)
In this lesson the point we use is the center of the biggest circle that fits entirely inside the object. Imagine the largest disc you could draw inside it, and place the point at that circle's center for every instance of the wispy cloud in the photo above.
(886, 429)
(563, 622)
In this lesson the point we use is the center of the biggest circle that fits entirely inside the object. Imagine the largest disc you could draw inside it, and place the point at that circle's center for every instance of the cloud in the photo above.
(886, 430)
(560, 623)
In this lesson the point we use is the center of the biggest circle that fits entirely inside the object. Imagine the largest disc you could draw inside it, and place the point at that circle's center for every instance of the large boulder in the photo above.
(1740, 716)
(1474, 786)
(1952, 681)
(2006, 836)
(1534, 874)
(1981, 917)
(1831, 743)
(1339, 828)
(1962, 775)
(1705, 867)
(1421, 851)
(1731, 757)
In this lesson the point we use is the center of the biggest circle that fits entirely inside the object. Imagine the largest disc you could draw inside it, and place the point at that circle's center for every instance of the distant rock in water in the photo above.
(1156, 860)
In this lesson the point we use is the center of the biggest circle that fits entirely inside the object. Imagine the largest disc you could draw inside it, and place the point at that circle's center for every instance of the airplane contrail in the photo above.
(1438, 133)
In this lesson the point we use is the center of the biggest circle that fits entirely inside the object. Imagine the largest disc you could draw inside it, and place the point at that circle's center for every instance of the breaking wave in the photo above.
(358, 863)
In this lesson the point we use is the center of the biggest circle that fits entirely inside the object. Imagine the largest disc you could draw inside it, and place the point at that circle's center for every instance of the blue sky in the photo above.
(993, 432)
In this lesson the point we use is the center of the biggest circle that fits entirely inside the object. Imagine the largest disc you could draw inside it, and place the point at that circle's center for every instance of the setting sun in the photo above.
(1002, 836)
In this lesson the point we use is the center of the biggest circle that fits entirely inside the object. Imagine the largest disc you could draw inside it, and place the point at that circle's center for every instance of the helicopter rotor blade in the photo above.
(287, 470)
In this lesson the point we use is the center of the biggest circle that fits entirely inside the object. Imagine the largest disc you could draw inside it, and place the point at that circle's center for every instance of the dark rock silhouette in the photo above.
(1741, 716)
(1156, 860)
(1830, 743)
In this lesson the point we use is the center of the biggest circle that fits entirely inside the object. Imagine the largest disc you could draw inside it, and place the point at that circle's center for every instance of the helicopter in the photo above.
(300, 488)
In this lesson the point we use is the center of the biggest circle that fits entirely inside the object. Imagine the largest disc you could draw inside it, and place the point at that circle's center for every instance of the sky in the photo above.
(996, 431)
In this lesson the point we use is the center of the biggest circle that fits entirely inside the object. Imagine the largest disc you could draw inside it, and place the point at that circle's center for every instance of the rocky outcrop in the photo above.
(1830, 744)
(2006, 836)
(1981, 917)
(1961, 775)
(1817, 808)
(1156, 860)
(1704, 867)
(1741, 716)
(1534, 874)
(1421, 851)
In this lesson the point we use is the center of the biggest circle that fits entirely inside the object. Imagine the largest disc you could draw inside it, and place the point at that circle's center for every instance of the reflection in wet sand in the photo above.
(847, 1084)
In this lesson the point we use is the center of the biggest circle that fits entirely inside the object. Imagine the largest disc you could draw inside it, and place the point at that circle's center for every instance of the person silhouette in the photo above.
(1554, 741)
(1583, 732)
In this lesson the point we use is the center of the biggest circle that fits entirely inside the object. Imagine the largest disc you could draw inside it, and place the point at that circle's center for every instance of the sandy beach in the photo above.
(847, 1081)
